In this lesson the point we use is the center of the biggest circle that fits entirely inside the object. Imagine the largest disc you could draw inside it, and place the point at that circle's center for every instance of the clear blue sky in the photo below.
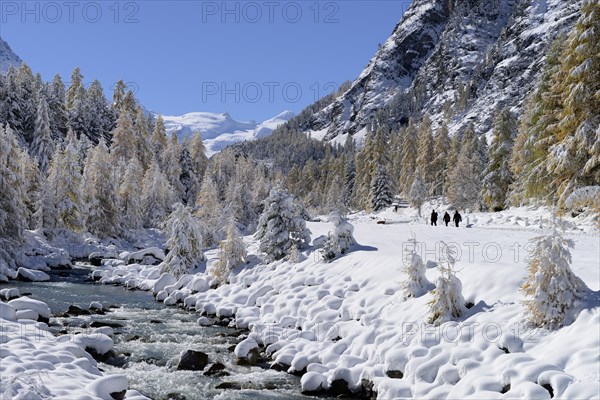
(252, 59)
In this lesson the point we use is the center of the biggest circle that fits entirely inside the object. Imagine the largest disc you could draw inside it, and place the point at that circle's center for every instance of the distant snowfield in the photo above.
(220, 130)
(347, 319)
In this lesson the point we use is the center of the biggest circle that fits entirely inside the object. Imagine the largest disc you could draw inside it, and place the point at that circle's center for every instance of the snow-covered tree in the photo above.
(440, 160)
(210, 211)
(425, 154)
(62, 202)
(42, 146)
(409, 158)
(232, 253)
(447, 302)
(130, 199)
(381, 195)
(159, 138)
(124, 145)
(497, 176)
(100, 193)
(464, 183)
(340, 240)
(13, 209)
(416, 283)
(184, 243)
(349, 182)
(418, 193)
(157, 196)
(280, 226)
(171, 167)
(551, 288)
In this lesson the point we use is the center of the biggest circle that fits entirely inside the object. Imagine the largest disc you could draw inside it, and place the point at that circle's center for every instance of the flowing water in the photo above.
(150, 341)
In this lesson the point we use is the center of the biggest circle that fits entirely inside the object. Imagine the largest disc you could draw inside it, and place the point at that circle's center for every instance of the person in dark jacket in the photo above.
(434, 216)
(446, 218)
(457, 218)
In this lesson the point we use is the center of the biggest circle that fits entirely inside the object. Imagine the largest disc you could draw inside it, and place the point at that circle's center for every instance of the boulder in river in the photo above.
(193, 360)
(217, 369)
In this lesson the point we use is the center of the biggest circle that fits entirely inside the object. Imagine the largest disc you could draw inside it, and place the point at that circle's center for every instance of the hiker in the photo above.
(457, 218)
(434, 216)
(446, 218)
(396, 207)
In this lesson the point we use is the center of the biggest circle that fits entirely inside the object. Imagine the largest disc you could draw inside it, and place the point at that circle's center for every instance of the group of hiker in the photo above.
(457, 218)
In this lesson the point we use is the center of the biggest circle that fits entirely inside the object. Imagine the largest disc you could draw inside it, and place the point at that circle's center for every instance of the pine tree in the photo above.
(42, 146)
(32, 181)
(416, 283)
(74, 89)
(142, 136)
(157, 196)
(447, 302)
(56, 104)
(100, 118)
(497, 176)
(464, 183)
(551, 289)
(130, 199)
(27, 101)
(418, 193)
(381, 195)
(280, 226)
(340, 240)
(171, 167)
(232, 253)
(100, 193)
(118, 95)
(425, 155)
(349, 182)
(439, 165)
(187, 177)
(184, 243)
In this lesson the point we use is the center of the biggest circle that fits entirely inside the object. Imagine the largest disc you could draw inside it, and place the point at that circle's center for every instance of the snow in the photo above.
(220, 130)
(35, 364)
(8, 57)
(32, 275)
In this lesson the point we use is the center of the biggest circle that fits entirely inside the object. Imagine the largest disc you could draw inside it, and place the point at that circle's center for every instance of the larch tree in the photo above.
(418, 193)
(439, 165)
(124, 145)
(171, 167)
(100, 193)
(157, 197)
(497, 176)
(232, 253)
(158, 139)
(13, 196)
(210, 211)
(409, 158)
(184, 243)
(425, 154)
(130, 199)
(42, 146)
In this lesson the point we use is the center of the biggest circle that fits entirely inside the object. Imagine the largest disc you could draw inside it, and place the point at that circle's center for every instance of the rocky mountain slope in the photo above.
(454, 59)
(7, 57)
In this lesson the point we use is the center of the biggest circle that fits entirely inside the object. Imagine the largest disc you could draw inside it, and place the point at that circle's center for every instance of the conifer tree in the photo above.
(497, 176)
(42, 146)
(124, 145)
(232, 253)
(184, 243)
(159, 139)
(13, 196)
(425, 154)
(416, 283)
(100, 193)
(142, 133)
(280, 226)
(56, 106)
(157, 196)
(409, 158)
(381, 195)
(210, 211)
(75, 87)
(447, 302)
(440, 161)
(464, 183)
(551, 288)
(27, 101)
(171, 167)
(340, 240)
(130, 199)
(418, 193)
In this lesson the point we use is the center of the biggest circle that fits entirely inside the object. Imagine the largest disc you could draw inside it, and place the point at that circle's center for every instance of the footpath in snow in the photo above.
(346, 327)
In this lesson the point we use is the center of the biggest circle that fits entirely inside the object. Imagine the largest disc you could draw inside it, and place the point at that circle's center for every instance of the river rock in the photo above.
(229, 385)
(75, 310)
(217, 369)
(192, 360)
(98, 324)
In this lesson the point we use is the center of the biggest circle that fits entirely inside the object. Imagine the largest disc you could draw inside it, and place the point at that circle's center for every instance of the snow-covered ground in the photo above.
(346, 321)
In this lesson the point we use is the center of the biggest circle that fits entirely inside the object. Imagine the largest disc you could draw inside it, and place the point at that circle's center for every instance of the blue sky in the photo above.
(252, 59)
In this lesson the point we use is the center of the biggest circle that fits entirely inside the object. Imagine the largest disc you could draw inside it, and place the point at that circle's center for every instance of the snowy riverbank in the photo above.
(345, 326)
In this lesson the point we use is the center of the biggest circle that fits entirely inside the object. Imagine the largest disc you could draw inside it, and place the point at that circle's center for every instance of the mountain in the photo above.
(220, 130)
(8, 57)
(454, 59)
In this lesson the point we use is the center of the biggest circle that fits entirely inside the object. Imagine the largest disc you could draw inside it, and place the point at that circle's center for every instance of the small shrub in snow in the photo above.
(447, 302)
(340, 240)
(232, 254)
(551, 288)
(184, 244)
(416, 283)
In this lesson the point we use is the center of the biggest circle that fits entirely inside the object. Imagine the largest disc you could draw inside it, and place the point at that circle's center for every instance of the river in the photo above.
(150, 341)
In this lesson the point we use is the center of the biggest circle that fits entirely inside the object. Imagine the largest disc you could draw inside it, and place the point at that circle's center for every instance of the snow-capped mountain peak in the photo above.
(8, 57)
